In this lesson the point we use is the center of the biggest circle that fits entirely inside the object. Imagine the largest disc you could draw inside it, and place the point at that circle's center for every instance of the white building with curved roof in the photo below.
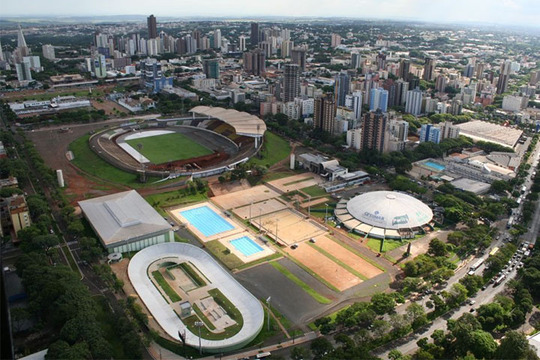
(383, 214)
(242, 122)
(248, 305)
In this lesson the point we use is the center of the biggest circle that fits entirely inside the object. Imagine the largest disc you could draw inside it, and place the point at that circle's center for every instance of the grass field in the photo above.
(274, 150)
(223, 254)
(171, 293)
(169, 147)
(314, 191)
(375, 244)
(89, 162)
(318, 297)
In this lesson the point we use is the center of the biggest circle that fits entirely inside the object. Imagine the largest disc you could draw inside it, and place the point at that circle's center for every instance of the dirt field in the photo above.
(260, 208)
(324, 267)
(109, 107)
(222, 189)
(314, 202)
(296, 182)
(347, 257)
(291, 227)
(245, 197)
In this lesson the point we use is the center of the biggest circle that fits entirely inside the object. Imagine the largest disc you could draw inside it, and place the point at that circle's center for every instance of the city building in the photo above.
(298, 56)
(126, 222)
(378, 99)
(429, 68)
(342, 87)
(24, 74)
(324, 113)
(374, 130)
(19, 213)
(211, 68)
(152, 27)
(242, 43)
(335, 40)
(99, 66)
(430, 133)
(291, 82)
(48, 51)
(255, 62)
(254, 34)
(504, 75)
(354, 138)
(413, 101)
(514, 102)
(152, 77)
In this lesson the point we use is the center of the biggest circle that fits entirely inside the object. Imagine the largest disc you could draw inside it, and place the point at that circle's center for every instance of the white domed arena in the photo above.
(384, 214)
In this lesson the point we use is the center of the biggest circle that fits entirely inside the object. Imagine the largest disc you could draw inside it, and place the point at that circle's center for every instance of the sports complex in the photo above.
(209, 142)
(384, 214)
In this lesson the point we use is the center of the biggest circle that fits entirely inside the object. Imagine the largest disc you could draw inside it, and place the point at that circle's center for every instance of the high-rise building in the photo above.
(413, 101)
(211, 68)
(48, 51)
(401, 92)
(456, 107)
(355, 60)
(254, 34)
(535, 77)
(378, 99)
(468, 70)
(291, 82)
(152, 27)
(429, 68)
(152, 76)
(479, 70)
(23, 72)
(440, 83)
(430, 133)
(2, 58)
(335, 40)
(448, 130)
(298, 56)
(357, 104)
(242, 43)
(255, 62)
(342, 87)
(325, 113)
(217, 39)
(286, 47)
(381, 61)
(404, 69)
(374, 130)
(99, 66)
(399, 129)
(504, 75)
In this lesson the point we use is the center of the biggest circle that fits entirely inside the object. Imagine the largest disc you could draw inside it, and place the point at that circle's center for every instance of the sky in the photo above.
(504, 12)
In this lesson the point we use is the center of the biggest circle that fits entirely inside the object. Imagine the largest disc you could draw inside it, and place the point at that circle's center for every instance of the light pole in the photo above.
(260, 219)
(326, 213)
(199, 324)
(309, 206)
(268, 304)
(276, 229)
(251, 203)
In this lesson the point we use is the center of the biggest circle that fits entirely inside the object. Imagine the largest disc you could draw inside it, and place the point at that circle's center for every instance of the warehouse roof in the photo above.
(242, 122)
(122, 216)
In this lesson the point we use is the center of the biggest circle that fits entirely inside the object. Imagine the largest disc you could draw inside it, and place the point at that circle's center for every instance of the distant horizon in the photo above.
(514, 13)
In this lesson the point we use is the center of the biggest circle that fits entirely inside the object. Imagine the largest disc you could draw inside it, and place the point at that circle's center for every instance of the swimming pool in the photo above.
(435, 166)
(206, 220)
(246, 246)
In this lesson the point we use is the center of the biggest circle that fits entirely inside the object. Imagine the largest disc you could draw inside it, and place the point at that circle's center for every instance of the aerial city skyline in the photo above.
(253, 186)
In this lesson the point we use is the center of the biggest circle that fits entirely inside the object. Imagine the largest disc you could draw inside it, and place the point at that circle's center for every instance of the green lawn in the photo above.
(169, 147)
(389, 245)
(204, 319)
(318, 297)
(172, 198)
(192, 274)
(173, 295)
(314, 191)
(274, 150)
(223, 254)
(88, 161)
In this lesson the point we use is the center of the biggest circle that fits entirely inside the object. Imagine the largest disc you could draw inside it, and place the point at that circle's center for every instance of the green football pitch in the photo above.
(168, 147)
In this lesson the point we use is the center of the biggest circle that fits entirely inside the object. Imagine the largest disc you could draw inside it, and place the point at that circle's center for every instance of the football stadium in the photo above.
(384, 214)
(209, 142)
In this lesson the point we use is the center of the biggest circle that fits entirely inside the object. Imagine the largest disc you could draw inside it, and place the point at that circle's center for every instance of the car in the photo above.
(294, 246)
(484, 287)
(471, 310)
(472, 302)
(312, 240)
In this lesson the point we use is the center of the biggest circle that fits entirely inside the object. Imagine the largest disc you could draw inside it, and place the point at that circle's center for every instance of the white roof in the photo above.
(483, 130)
(242, 122)
(248, 305)
(389, 210)
(122, 216)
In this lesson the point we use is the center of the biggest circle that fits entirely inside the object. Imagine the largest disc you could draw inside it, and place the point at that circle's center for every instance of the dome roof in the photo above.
(389, 210)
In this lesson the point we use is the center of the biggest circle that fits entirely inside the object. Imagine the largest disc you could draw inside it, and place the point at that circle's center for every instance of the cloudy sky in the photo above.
(512, 12)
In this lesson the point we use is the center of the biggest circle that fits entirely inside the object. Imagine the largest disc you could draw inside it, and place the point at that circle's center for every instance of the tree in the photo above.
(491, 316)
(320, 347)
(41, 243)
(513, 346)
(90, 249)
(456, 295)
(416, 315)
(300, 353)
(481, 344)
(472, 283)
(383, 303)
(437, 248)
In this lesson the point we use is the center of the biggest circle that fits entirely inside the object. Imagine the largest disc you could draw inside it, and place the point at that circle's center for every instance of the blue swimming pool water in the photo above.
(246, 246)
(435, 166)
(206, 221)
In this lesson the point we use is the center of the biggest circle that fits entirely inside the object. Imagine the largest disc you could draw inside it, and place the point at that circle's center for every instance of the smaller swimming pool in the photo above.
(246, 246)
(435, 166)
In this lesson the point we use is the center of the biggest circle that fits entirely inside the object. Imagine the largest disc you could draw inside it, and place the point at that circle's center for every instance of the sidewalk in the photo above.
(160, 353)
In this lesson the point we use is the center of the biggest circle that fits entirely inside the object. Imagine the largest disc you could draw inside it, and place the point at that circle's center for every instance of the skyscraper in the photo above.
(335, 40)
(404, 69)
(378, 99)
(217, 39)
(440, 83)
(430, 133)
(374, 130)
(381, 61)
(242, 43)
(255, 62)
(298, 56)
(291, 82)
(48, 51)
(355, 60)
(401, 92)
(254, 34)
(23, 72)
(342, 87)
(325, 113)
(152, 27)
(429, 68)
(357, 104)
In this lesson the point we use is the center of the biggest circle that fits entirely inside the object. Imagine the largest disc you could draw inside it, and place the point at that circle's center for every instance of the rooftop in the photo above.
(242, 122)
(485, 131)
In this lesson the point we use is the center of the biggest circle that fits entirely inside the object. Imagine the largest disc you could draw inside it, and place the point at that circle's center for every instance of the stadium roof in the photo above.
(122, 216)
(485, 131)
(248, 305)
(242, 122)
(389, 210)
